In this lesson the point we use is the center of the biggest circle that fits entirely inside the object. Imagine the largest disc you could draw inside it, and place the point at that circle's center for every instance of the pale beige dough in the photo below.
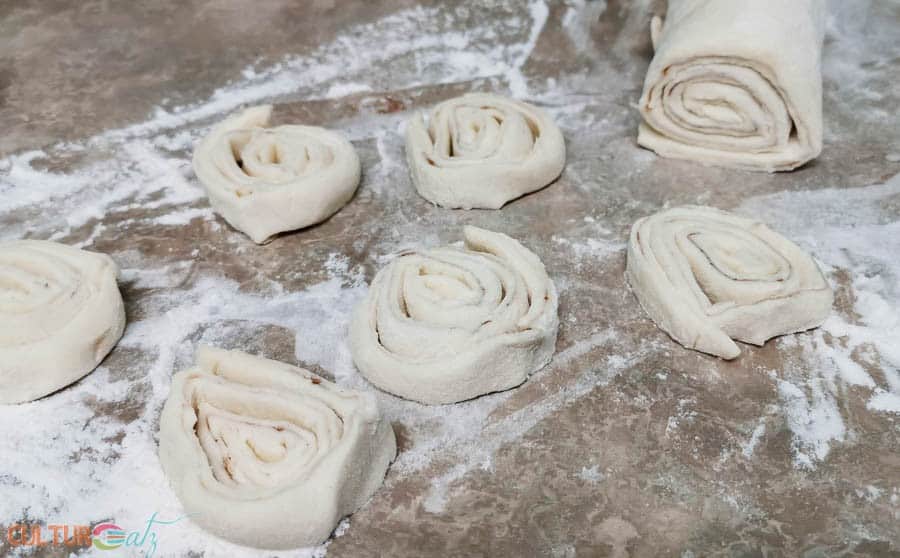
(60, 314)
(482, 150)
(269, 455)
(706, 277)
(264, 181)
(736, 84)
(448, 324)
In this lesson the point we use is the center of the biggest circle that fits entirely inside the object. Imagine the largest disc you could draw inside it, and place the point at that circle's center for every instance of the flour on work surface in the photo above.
(85, 463)
(857, 246)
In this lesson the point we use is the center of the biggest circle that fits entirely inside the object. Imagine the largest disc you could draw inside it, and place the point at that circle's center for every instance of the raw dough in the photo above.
(706, 277)
(736, 84)
(269, 455)
(60, 314)
(264, 181)
(450, 324)
(482, 150)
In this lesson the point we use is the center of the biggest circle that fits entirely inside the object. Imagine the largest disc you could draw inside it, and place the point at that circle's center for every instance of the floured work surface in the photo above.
(626, 442)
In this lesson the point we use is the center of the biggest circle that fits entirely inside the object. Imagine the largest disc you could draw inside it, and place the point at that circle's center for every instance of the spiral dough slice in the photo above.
(269, 180)
(60, 314)
(451, 324)
(483, 150)
(269, 455)
(736, 84)
(707, 277)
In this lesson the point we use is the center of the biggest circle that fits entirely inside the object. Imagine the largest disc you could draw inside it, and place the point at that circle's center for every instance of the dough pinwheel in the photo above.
(270, 455)
(706, 277)
(482, 150)
(269, 180)
(449, 324)
(736, 84)
(60, 314)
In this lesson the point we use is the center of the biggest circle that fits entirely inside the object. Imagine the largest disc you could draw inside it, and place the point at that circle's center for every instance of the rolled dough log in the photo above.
(706, 277)
(264, 181)
(736, 84)
(450, 324)
(269, 455)
(482, 150)
(60, 314)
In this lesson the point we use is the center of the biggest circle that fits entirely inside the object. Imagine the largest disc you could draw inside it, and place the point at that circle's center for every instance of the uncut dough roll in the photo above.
(706, 277)
(269, 455)
(61, 313)
(264, 181)
(736, 84)
(449, 324)
(483, 150)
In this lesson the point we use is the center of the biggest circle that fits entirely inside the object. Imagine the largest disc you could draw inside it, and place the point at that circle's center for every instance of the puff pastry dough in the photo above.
(269, 455)
(482, 150)
(449, 324)
(60, 314)
(736, 84)
(264, 181)
(706, 277)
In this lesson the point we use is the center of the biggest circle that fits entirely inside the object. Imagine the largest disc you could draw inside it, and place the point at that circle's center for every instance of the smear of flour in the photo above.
(591, 474)
(862, 240)
(749, 446)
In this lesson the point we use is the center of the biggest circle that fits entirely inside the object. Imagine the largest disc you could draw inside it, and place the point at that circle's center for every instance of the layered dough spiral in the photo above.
(482, 150)
(706, 277)
(60, 314)
(269, 455)
(736, 84)
(449, 324)
(264, 181)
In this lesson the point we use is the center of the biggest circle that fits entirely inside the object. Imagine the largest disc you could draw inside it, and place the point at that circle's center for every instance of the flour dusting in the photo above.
(857, 244)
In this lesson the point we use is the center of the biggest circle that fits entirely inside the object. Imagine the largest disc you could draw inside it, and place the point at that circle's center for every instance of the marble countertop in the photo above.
(626, 444)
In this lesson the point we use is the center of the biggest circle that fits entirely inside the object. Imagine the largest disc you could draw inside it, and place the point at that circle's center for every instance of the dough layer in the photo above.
(482, 150)
(736, 84)
(706, 277)
(449, 324)
(60, 314)
(264, 181)
(269, 455)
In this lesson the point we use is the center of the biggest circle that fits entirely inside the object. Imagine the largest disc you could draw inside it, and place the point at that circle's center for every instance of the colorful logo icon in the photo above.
(108, 536)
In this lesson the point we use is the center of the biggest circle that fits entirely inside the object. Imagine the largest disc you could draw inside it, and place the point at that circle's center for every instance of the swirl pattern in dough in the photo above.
(706, 277)
(482, 150)
(736, 84)
(60, 314)
(269, 455)
(450, 324)
(264, 181)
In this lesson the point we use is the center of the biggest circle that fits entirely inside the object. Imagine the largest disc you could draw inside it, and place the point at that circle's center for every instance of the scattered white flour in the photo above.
(863, 241)
(591, 474)
(749, 446)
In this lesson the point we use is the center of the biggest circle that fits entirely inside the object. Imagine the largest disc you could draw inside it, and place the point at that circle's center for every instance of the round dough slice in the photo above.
(60, 314)
(450, 324)
(269, 455)
(264, 181)
(706, 277)
(482, 150)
